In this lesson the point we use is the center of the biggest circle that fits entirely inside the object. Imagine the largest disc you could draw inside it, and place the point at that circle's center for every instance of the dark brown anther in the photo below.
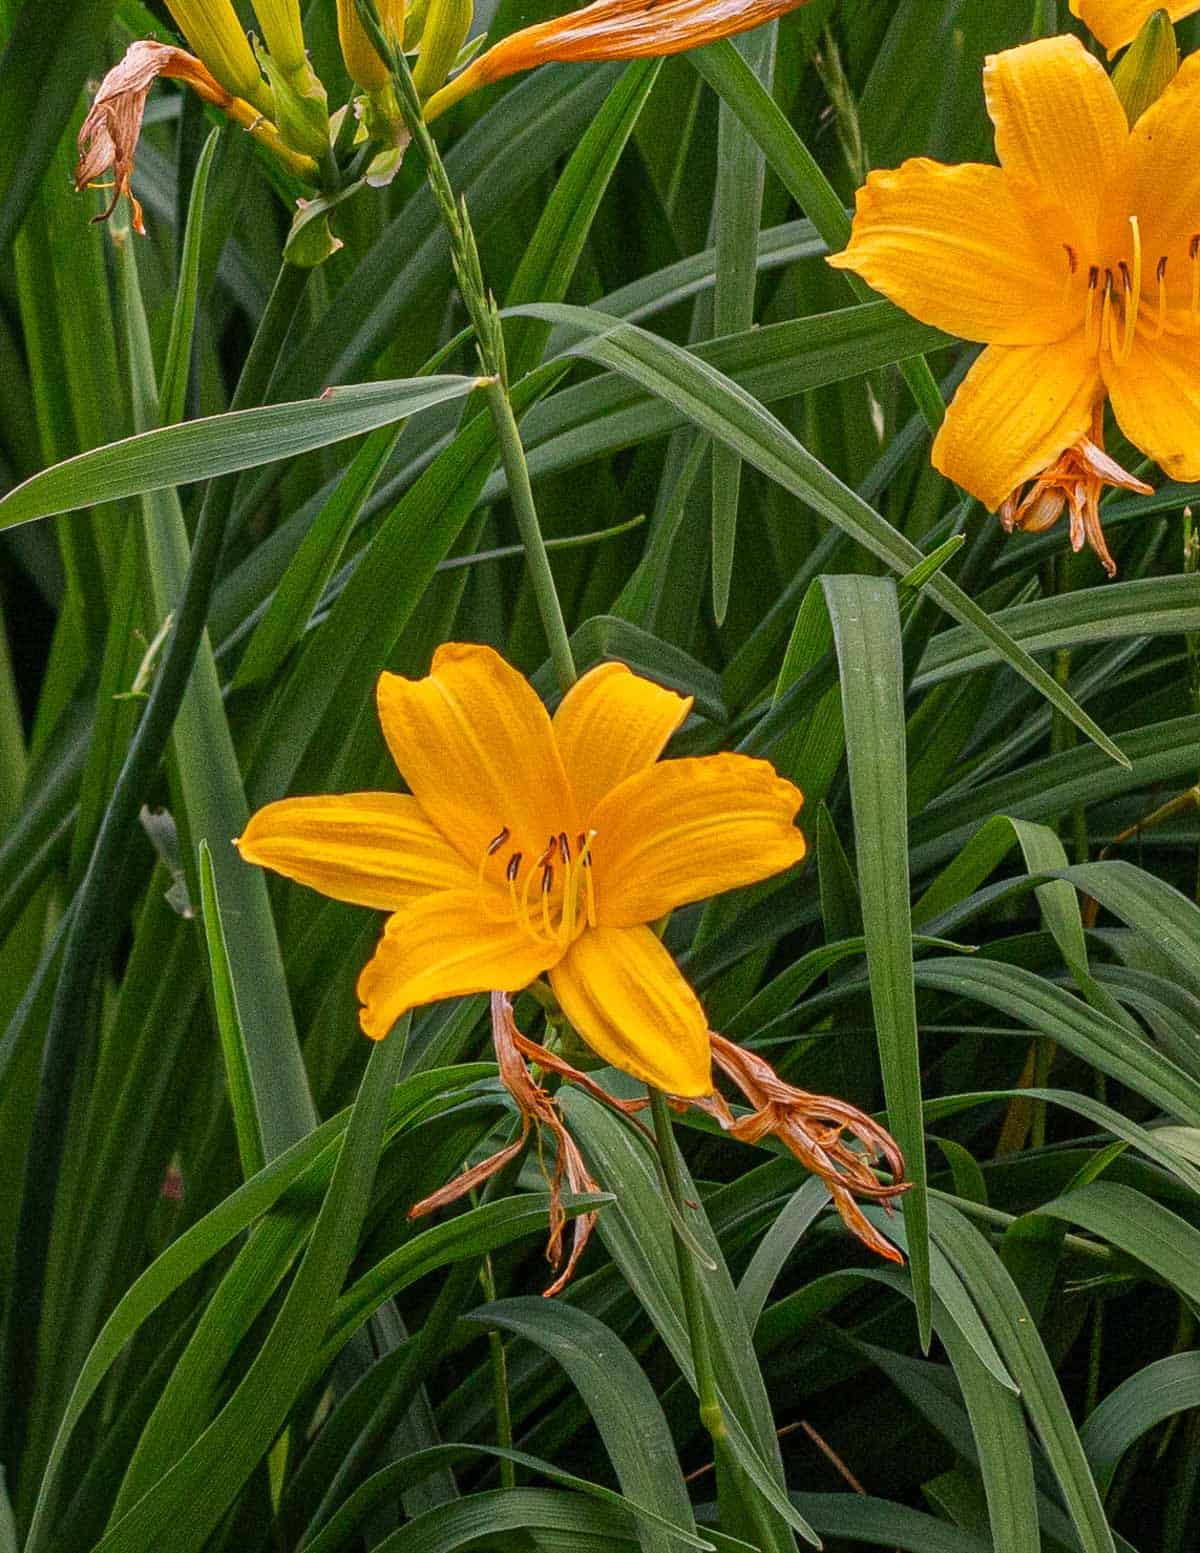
(547, 879)
(498, 841)
(1126, 278)
(1093, 277)
(1194, 246)
(1072, 258)
(514, 867)
(1108, 280)
(564, 847)
(1160, 273)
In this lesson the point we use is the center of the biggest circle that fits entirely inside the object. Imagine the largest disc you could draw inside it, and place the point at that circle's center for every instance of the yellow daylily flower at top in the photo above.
(1118, 22)
(532, 846)
(1076, 261)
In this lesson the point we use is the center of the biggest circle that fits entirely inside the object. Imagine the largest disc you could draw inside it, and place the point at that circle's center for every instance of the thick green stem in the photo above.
(93, 920)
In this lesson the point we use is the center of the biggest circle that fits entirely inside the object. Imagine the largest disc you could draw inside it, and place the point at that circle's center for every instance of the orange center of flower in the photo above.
(551, 896)
(1114, 293)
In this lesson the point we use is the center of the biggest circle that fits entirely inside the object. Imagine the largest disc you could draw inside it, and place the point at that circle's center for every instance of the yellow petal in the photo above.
(1015, 411)
(688, 829)
(610, 29)
(1061, 131)
(1117, 22)
(1165, 180)
(626, 997)
(375, 849)
(475, 745)
(1156, 399)
(442, 946)
(610, 724)
(956, 248)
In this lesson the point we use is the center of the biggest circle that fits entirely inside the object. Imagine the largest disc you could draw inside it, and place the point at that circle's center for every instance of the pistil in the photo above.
(1132, 285)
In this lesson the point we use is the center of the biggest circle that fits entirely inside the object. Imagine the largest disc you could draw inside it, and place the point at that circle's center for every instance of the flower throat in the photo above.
(559, 880)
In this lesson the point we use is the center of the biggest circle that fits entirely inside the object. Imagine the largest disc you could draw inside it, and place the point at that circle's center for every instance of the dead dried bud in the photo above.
(537, 1110)
(812, 1127)
(1075, 480)
(108, 136)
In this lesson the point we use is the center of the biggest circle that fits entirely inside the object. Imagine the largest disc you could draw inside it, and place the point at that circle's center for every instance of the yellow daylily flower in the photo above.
(610, 29)
(531, 846)
(1077, 263)
(1118, 22)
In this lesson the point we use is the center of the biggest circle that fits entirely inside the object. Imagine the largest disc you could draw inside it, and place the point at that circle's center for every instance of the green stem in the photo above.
(489, 337)
(711, 1415)
(520, 494)
(93, 921)
(499, 1367)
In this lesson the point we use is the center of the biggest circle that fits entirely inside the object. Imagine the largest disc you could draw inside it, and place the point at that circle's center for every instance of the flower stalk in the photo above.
(489, 338)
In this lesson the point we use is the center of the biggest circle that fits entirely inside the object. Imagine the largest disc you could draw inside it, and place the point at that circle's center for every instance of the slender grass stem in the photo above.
(712, 1415)
(93, 921)
(489, 338)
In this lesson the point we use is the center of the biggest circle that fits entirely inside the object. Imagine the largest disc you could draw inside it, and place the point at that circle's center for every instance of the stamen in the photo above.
(1160, 321)
(547, 886)
(1133, 291)
(585, 862)
(514, 867)
(1194, 256)
(1093, 282)
(1106, 312)
(493, 847)
(564, 848)
(525, 912)
(1072, 266)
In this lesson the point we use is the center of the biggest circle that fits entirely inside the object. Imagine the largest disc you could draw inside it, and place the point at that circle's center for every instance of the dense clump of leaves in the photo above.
(221, 1329)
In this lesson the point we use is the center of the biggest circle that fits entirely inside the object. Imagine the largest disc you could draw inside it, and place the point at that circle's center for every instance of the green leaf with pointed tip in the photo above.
(221, 444)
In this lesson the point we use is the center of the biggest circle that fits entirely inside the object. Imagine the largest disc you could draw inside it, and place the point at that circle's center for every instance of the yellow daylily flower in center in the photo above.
(530, 846)
(1076, 261)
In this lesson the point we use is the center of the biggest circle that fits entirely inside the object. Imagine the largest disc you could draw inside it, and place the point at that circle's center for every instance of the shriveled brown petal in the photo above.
(109, 134)
(537, 1110)
(813, 1128)
(1075, 481)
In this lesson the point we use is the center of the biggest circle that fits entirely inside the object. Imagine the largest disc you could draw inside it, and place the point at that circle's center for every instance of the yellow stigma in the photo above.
(1132, 292)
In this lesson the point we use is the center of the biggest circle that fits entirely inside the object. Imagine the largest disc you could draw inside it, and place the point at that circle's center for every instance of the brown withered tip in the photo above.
(537, 1110)
(108, 136)
(813, 1128)
(1075, 481)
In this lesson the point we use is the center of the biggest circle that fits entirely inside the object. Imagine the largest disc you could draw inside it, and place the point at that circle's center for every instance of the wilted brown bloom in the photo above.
(811, 1127)
(108, 136)
(611, 29)
(537, 1109)
(1076, 481)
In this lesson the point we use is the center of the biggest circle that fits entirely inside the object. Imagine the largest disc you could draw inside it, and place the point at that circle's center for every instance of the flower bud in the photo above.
(301, 110)
(447, 23)
(282, 33)
(363, 64)
(1148, 67)
(215, 34)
